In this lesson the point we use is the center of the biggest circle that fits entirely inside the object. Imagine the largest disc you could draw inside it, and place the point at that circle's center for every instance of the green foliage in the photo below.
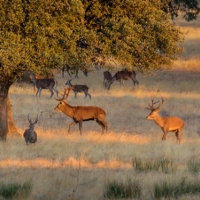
(181, 187)
(163, 164)
(10, 190)
(116, 189)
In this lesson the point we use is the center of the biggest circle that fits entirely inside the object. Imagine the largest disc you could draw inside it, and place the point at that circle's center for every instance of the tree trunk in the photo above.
(11, 125)
(5, 84)
(3, 118)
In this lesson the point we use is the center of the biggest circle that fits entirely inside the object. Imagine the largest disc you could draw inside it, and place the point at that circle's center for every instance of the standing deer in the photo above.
(81, 113)
(78, 88)
(121, 76)
(106, 77)
(30, 135)
(44, 83)
(167, 124)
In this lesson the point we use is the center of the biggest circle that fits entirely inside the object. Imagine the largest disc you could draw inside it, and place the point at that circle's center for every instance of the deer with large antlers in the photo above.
(81, 113)
(30, 135)
(167, 124)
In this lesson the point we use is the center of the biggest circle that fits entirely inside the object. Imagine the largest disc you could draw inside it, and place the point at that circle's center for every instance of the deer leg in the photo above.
(51, 92)
(76, 75)
(37, 92)
(89, 95)
(71, 125)
(56, 91)
(75, 93)
(80, 127)
(40, 92)
(179, 135)
(164, 135)
(86, 93)
(135, 81)
(101, 124)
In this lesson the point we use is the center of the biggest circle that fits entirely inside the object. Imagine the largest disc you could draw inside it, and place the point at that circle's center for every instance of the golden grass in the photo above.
(70, 166)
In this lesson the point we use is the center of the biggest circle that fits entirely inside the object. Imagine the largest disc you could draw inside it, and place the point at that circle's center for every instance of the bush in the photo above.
(10, 190)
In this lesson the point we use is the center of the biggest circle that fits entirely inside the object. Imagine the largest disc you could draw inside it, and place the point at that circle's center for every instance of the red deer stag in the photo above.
(167, 124)
(30, 135)
(121, 76)
(81, 113)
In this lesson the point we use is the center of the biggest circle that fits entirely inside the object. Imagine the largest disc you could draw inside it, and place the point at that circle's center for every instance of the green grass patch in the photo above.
(9, 190)
(194, 165)
(169, 190)
(129, 189)
(161, 164)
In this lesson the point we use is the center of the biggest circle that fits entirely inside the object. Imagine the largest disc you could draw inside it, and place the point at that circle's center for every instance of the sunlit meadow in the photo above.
(69, 166)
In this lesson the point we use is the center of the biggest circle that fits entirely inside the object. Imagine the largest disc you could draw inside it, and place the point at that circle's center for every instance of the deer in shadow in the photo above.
(121, 76)
(107, 76)
(75, 71)
(44, 83)
(80, 114)
(167, 124)
(78, 88)
(30, 135)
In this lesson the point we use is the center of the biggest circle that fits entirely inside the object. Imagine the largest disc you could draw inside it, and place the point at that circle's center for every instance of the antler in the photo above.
(31, 121)
(65, 95)
(151, 107)
(36, 120)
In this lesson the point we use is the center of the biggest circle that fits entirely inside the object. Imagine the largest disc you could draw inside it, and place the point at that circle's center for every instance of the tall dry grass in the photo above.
(69, 166)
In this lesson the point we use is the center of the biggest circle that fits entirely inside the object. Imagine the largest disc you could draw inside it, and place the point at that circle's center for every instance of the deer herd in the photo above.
(79, 114)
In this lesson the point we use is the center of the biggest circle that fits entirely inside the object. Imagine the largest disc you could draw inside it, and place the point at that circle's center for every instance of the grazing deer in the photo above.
(78, 88)
(106, 77)
(167, 124)
(30, 135)
(67, 69)
(121, 76)
(44, 83)
(81, 113)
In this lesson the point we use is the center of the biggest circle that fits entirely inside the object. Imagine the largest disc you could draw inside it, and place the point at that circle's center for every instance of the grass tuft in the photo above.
(193, 165)
(162, 164)
(168, 190)
(10, 190)
(116, 189)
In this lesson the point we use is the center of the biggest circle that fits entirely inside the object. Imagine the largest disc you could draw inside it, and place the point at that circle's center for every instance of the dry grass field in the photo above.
(65, 166)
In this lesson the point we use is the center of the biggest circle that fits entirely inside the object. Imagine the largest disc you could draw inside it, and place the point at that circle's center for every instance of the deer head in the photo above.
(154, 111)
(61, 106)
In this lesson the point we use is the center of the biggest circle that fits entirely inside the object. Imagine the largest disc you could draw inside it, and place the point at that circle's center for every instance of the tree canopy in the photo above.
(188, 8)
(39, 35)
